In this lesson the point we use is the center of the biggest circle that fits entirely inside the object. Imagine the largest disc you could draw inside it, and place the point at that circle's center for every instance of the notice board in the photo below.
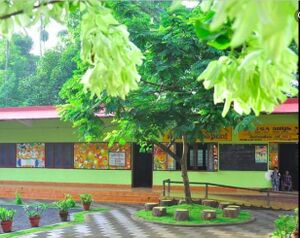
(243, 157)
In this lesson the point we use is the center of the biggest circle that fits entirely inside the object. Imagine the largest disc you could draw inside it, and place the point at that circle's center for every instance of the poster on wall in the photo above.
(116, 159)
(273, 156)
(100, 156)
(90, 156)
(162, 161)
(30, 155)
(261, 154)
(123, 152)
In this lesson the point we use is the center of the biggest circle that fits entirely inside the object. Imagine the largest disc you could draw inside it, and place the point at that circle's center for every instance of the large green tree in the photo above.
(16, 65)
(169, 99)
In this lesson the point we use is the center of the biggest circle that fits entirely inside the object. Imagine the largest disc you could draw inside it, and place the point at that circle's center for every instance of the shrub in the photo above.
(18, 199)
(35, 210)
(86, 198)
(7, 214)
(285, 225)
(70, 199)
(64, 205)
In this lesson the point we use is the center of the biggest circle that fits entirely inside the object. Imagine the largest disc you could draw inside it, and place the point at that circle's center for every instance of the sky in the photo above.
(53, 28)
(34, 32)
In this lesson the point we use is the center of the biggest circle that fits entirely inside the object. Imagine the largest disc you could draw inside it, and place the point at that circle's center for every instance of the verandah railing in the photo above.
(289, 199)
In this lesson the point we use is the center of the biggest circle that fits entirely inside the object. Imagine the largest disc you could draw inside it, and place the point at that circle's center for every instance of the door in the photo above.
(288, 160)
(141, 168)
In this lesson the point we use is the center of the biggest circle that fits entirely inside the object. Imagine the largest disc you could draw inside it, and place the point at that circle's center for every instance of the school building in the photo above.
(37, 147)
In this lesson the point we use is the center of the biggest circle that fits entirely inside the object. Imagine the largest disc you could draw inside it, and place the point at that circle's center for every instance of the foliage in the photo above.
(261, 32)
(7, 214)
(18, 200)
(64, 205)
(17, 64)
(169, 99)
(35, 210)
(285, 225)
(194, 215)
(111, 57)
(69, 198)
(86, 198)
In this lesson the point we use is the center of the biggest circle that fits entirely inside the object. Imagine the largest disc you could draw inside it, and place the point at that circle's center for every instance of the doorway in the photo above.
(142, 168)
(289, 160)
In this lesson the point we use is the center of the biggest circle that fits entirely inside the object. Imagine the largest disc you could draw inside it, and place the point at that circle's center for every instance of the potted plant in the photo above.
(34, 213)
(86, 200)
(6, 217)
(70, 199)
(63, 207)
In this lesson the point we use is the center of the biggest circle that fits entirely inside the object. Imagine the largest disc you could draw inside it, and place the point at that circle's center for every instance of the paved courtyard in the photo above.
(118, 223)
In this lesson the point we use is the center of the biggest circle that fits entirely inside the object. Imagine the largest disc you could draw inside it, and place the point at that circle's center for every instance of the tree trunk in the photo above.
(185, 178)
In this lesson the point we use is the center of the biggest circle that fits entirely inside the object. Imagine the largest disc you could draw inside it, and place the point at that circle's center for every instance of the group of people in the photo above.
(286, 180)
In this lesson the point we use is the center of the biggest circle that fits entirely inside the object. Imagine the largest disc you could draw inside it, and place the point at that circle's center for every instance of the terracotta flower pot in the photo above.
(34, 221)
(6, 226)
(86, 206)
(295, 234)
(63, 215)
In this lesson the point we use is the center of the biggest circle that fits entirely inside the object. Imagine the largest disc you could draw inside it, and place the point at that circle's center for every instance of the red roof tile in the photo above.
(291, 105)
(49, 112)
(33, 112)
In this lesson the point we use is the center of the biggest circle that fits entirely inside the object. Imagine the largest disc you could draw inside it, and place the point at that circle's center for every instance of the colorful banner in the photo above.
(90, 156)
(224, 135)
(97, 156)
(162, 161)
(271, 133)
(30, 155)
(261, 154)
(273, 156)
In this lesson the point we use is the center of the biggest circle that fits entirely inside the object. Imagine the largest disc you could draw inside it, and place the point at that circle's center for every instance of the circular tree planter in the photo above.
(194, 213)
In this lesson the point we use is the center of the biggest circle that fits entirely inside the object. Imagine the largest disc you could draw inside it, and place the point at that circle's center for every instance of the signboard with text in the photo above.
(116, 159)
(271, 133)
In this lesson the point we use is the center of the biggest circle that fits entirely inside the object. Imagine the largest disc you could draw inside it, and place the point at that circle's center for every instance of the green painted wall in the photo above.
(254, 179)
(235, 178)
(58, 131)
(66, 175)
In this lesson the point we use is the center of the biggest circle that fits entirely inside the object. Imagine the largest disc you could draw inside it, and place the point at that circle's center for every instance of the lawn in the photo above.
(194, 216)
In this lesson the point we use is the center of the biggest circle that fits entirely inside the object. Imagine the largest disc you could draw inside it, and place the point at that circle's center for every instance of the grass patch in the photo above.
(194, 214)
(79, 217)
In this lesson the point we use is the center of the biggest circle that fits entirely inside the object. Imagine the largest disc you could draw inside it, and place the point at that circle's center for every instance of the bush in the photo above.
(285, 225)
(18, 199)
(7, 214)
(35, 210)
(86, 198)
(64, 205)
(69, 198)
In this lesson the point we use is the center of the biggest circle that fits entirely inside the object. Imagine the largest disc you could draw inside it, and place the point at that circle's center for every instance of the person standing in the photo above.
(275, 179)
(287, 181)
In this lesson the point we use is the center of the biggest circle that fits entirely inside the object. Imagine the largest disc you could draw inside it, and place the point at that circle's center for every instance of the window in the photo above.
(59, 155)
(197, 155)
(7, 155)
